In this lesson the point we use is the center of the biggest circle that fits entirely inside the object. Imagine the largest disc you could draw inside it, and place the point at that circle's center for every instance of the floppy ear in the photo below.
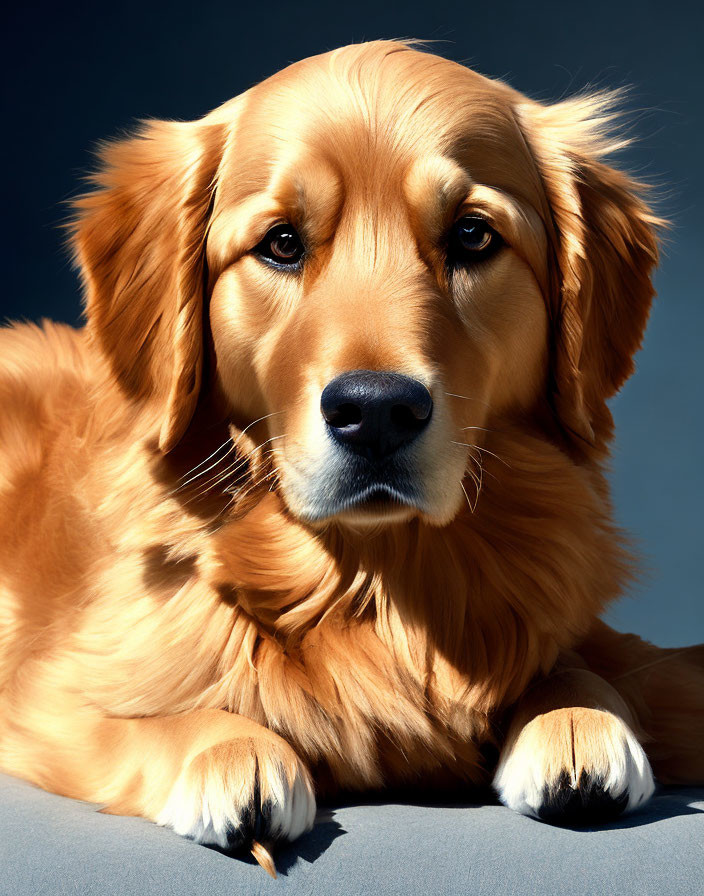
(139, 241)
(606, 249)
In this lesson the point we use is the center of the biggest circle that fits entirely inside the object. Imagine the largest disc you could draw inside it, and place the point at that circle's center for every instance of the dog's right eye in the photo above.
(281, 246)
(472, 239)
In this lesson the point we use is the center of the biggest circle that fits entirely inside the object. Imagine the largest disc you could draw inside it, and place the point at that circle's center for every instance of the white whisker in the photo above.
(479, 448)
(209, 457)
(234, 445)
(467, 398)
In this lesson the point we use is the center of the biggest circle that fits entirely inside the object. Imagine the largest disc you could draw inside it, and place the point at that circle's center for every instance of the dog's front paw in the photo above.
(574, 766)
(244, 790)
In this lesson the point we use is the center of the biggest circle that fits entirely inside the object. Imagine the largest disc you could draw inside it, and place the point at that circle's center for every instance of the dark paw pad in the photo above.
(586, 804)
(255, 826)
(255, 823)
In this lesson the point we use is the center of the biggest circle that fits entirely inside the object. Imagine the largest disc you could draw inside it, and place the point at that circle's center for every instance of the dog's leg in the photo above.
(212, 776)
(664, 689)
(571, 754)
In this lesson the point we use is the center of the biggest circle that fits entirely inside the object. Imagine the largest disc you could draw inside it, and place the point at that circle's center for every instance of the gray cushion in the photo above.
(50, 845)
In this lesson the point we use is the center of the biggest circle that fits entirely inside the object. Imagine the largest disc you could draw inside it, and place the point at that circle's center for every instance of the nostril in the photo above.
(347, 414)
(405, 417)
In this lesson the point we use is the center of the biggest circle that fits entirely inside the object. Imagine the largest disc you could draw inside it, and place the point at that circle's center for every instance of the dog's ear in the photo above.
(139, 242)
(604, 236)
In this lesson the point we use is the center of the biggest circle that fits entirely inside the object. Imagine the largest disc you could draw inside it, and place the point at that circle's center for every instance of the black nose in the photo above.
(375, 413)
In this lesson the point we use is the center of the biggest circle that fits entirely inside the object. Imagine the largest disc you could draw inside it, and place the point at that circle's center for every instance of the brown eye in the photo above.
(281, 246)
(472, 239)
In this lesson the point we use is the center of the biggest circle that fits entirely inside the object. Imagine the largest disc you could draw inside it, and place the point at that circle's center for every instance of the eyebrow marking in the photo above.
(305, 191)
(434, 187)
(439, 190)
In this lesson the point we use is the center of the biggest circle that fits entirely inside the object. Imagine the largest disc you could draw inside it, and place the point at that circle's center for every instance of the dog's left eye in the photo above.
(472, 239)
(282, 246)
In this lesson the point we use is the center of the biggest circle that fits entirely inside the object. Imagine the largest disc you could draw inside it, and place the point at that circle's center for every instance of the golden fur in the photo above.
(175, 623)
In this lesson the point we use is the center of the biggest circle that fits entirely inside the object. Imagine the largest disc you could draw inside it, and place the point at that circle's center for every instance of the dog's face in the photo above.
(396, 255)
(384, 258)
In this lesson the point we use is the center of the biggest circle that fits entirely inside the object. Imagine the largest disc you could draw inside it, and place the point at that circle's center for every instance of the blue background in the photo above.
(76, 73)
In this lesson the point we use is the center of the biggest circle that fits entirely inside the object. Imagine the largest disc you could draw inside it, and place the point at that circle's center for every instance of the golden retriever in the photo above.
(316, 500)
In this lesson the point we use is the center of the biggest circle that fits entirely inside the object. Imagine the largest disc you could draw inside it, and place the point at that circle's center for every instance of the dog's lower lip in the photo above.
(379, 494)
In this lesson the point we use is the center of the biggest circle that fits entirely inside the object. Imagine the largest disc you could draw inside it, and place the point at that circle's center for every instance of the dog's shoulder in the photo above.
(41, 359)
(46, 376)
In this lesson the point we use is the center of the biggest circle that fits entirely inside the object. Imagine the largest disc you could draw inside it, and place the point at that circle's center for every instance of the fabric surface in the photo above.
(50, 845)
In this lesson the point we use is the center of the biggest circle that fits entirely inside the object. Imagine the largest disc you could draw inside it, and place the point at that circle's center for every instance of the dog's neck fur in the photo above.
(360, 649)
(317, 619)
(538, 516)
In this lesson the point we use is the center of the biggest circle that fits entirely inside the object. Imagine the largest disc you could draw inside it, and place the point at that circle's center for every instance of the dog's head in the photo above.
(382, 255)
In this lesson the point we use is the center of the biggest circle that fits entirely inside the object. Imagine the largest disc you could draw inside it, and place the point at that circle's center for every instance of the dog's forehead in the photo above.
(374, 110)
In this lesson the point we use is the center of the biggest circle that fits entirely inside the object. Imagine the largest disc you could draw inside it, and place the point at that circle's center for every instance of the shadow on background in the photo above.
(667, 804)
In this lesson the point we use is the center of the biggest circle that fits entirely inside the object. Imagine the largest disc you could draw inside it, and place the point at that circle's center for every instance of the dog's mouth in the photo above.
(364, 492)
(381, 499)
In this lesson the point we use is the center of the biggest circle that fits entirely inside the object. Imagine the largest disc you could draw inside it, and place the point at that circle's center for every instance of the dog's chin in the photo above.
(354, 493)
(369, 507)
(377, 505)
(373, 506)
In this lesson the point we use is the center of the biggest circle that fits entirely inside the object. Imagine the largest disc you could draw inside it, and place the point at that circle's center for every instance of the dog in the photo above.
(315, 502)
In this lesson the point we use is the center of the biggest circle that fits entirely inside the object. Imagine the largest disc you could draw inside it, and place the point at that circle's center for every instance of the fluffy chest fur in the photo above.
(361, 650)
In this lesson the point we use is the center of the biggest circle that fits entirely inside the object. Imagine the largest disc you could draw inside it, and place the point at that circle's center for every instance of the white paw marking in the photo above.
(618, 761)
(214, 804)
